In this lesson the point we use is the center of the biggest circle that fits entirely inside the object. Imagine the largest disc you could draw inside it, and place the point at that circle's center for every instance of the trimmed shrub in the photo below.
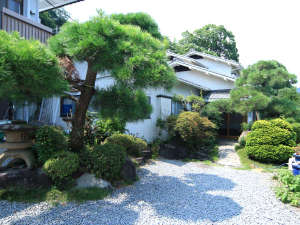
(195, 130)
(246, 126)
(296, 128)
(106, 127)
(270, 153)
(133, 145)
(168, 124)
(61, 166)
(242, 142)
(107, 160)
(271, 141)
(48, 141)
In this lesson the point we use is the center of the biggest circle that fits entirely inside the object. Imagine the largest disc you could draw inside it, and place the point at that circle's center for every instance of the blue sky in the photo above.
(263, 29)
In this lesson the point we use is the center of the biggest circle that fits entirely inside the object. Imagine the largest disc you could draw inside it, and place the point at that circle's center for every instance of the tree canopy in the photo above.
(266, 87)
(214, 110)
(135, 59)
(142, 20)
(54, 18)
(211, 39)
(28, 70)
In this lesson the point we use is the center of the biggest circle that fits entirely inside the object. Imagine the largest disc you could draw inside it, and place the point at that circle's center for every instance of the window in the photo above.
(181, 68)
(177, 107)
(15, 5)
(67, 107)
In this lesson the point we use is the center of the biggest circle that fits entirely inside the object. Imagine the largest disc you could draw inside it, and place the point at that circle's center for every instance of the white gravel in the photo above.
(170, 192)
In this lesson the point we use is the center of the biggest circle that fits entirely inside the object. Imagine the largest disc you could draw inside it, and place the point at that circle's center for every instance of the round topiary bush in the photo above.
(271, 141)
(133, 145)
(107, 161)
(48, 141)
(296, 128)
(61, 166)
(195, 130)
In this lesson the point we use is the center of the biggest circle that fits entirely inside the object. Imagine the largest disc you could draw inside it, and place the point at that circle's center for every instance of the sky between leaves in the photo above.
(263, 29)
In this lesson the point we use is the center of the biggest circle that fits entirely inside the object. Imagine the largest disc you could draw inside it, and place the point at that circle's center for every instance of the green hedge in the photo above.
(195, 130)
(271, 141)
(296, 128)
(61, 166)
(133, 145)
(49, 140)
(106, 161)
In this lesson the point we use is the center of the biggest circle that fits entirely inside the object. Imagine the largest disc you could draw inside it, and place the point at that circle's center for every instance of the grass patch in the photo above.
(214, 154)
(248, 164)
(52, 195)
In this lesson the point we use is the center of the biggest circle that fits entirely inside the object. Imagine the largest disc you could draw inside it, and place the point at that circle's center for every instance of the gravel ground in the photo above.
(170, 192)
(227, 154)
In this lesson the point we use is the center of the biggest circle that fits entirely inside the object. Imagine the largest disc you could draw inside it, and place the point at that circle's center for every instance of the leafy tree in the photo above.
(215, 109)
(142, 20)
(211, 39)
(133, 58)
(25, 67)
(54, 18)
(195, 102)
(266, 87)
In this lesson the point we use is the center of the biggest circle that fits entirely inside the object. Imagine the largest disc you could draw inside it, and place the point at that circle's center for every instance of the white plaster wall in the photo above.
(215, 66)
(205, 80)
(81, 68)
(161, 109)
(147, 129)
(33, 6)
(166, 107)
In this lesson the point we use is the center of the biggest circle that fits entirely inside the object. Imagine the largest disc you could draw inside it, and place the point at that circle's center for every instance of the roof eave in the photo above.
(192, 67)
(58, 6)
(217, 58)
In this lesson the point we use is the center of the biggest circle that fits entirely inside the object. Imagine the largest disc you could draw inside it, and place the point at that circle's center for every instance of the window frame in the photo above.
(174, 108)
(21, 6)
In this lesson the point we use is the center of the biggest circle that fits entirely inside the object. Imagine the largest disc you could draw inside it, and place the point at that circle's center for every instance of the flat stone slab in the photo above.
(88, 180)
(24, 178)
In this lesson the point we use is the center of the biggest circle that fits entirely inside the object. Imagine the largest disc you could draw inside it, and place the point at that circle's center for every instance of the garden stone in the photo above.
(128, 171)
(25, 178)
(88, 180)
(170, 151)
(200, 156)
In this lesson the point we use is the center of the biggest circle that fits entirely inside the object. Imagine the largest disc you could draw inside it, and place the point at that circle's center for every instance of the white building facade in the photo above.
(196, 73)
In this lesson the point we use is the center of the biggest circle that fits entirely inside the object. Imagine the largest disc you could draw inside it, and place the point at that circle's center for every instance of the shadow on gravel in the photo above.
(180, 198)
(9, 208)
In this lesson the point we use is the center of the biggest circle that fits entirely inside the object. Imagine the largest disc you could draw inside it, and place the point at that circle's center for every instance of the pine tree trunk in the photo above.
(78, 121)
(257, 115)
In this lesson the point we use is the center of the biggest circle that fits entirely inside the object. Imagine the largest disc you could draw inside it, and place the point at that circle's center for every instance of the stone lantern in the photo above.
(18, 142)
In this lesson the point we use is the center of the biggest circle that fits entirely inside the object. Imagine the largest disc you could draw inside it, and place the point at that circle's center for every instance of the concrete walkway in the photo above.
(227, 154)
